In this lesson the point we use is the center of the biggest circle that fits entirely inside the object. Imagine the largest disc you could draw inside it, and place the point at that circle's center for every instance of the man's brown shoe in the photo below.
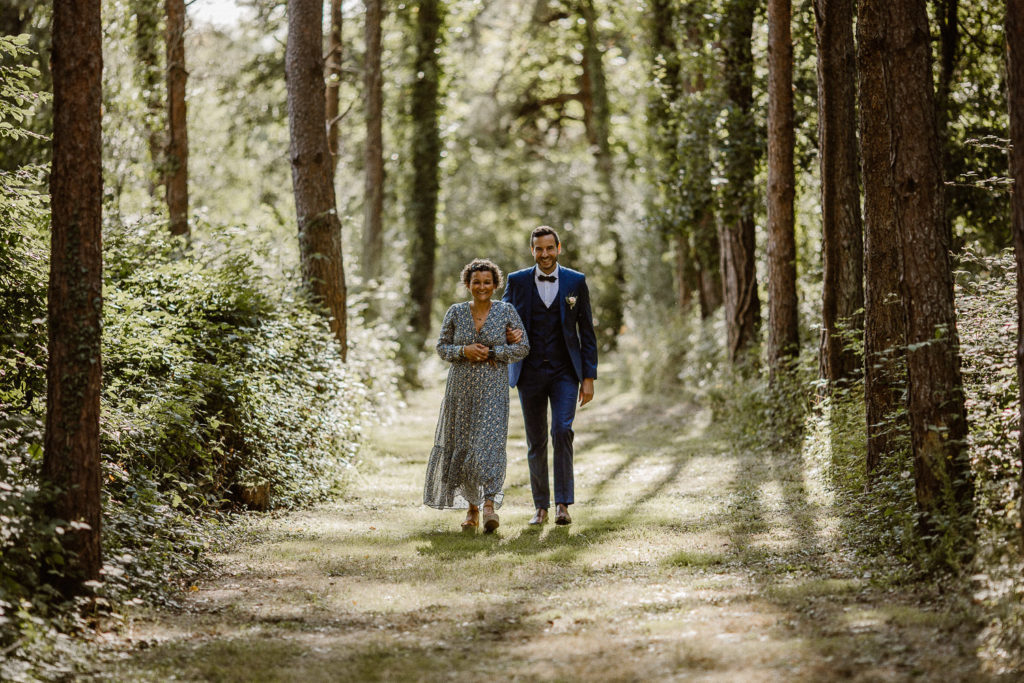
(540, 517)
(562, 515)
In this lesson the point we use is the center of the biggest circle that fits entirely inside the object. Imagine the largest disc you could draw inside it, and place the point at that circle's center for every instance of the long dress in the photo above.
(467, 463)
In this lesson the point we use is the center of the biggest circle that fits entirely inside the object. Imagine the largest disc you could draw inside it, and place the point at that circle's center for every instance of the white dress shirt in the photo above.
(547, 290)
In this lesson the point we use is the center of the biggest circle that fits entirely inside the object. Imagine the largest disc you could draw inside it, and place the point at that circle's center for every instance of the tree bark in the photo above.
(884, 325)
(841, 228)
(323, 270)
(742, 306)
(783, 324)
(71, 459)
(333, 75)
(373, 224)
(177, 144)
(148, 71)
(947, 13)
(426, 156)
(1015, 99)
(610, 304)
(898, 32)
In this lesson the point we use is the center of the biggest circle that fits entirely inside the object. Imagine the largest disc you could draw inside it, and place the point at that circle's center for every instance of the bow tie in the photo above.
(547, 278)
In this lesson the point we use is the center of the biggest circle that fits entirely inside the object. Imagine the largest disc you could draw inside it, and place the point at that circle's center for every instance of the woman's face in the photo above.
(481, 285)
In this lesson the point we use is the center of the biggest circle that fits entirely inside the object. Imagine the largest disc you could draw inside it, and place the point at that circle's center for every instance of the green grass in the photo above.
(685, 559)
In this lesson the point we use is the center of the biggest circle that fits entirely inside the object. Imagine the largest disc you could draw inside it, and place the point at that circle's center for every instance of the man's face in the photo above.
(545, 252)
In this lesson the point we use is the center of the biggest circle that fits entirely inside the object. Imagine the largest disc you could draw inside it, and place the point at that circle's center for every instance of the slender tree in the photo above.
(1015, 98)
(425, 108)
(783, 324)
(323, 271)
(71, 457)
(597, 116)
(742, 306)
(149, 72)
(842, 240)
(176, 157)
(898, 34)
(333, 75)
(373, 223)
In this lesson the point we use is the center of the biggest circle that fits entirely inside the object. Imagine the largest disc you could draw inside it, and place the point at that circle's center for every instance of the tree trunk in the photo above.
(177, 144)
(783, 324)
(884, 325)
(1015, 99)
(947, 13)
(373, 224)
(426, 155)
(842, 238)
(148, 71)
(71, 459)
(686, 274)
(742, 306)
(333, 75)
(609, 301)
(323, 271)
(898, 35)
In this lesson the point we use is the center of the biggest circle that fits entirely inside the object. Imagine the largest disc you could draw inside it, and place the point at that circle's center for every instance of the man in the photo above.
(554, 304)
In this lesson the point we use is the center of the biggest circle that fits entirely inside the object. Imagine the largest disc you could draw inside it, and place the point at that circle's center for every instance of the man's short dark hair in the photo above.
(542, 230)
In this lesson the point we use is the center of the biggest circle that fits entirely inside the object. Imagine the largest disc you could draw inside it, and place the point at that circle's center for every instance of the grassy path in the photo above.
(686, 560)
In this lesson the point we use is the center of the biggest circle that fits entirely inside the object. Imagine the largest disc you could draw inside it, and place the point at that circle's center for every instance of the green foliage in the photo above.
(217, 381)
(986, 299)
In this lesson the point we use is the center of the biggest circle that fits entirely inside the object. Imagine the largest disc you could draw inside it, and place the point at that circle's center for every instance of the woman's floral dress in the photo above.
(467, 464)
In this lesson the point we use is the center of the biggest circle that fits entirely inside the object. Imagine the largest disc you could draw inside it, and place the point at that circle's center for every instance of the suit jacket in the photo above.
(577, 319)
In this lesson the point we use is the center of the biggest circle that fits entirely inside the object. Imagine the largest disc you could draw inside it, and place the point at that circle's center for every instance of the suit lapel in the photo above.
(563, 290)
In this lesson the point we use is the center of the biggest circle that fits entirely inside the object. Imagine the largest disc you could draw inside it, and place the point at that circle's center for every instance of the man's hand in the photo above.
(475, 352)
(586, 391)
(513, 335)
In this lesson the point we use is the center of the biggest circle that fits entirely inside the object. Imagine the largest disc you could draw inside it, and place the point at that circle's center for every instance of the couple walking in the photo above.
(540, 339)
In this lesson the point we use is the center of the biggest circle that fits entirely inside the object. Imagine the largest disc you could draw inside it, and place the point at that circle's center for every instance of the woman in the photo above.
(479, 338)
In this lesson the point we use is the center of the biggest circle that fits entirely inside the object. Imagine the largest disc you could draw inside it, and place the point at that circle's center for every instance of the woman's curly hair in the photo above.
(478, 265)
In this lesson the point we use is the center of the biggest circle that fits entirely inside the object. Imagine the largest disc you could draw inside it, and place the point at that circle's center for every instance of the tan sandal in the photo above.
(490, 520)
(472, 520)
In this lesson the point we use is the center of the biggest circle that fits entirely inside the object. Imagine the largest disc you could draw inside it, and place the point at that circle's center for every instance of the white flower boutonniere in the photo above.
(571, 300)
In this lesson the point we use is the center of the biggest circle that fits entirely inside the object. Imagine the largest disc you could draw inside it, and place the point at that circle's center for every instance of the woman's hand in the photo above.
(475, 352)
(513, 335)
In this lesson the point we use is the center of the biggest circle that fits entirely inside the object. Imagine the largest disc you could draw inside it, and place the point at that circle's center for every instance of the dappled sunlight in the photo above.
(684, 560)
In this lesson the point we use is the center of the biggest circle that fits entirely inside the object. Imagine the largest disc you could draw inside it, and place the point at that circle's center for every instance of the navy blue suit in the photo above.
(563, 352)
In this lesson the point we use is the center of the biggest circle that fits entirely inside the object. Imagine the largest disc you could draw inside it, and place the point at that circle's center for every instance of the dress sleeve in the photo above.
(513, 353)
(446, 346)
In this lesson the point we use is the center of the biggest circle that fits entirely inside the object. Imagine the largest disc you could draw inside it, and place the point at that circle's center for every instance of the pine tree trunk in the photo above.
(373, 224)
(947, 12)
(609, 306)
(426, 156)
(783, 324)
(323, 270)
(71, 459)
(685, 272)
(841, 228)
(177, 145)
(884, 325)
(898, 31)
(1015, 98)
(148, 71)
(333, 75)
(736, 230)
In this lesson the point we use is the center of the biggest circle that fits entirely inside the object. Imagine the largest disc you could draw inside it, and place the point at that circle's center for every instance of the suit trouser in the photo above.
(539, 387)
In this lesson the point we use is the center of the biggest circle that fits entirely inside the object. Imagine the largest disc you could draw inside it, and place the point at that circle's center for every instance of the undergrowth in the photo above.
(218, 382)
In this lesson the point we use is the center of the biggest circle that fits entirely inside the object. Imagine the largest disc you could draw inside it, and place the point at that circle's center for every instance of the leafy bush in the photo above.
(218, 382)
(986, 299)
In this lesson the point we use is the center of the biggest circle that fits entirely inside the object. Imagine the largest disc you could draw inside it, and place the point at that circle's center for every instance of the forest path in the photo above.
(686, 560)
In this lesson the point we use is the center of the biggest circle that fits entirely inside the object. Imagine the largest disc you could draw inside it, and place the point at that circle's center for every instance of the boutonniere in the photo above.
(571, 300)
